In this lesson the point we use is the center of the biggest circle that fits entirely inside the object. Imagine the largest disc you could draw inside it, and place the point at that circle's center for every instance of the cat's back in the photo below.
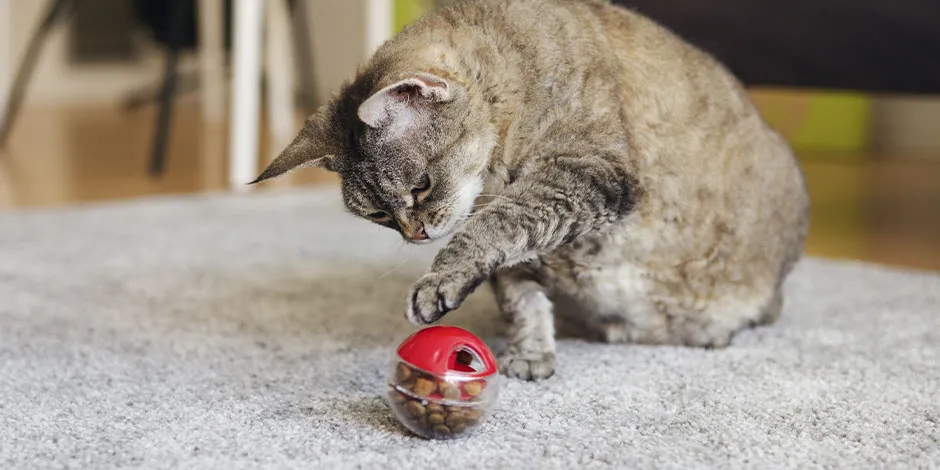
(659, 76)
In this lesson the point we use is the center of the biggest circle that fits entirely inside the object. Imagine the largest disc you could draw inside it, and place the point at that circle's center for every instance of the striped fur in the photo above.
(588, 163)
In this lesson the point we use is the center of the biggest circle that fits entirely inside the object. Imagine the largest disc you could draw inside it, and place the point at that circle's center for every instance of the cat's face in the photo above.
(411, 157)
(419, 189)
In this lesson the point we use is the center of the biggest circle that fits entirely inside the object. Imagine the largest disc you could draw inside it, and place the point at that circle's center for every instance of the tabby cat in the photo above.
(584, 161)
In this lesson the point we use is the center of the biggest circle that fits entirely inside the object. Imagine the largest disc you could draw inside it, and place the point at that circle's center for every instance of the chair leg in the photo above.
(168, 89)
(245, 94)
(165, 100)
(56, 12)
(150, 94)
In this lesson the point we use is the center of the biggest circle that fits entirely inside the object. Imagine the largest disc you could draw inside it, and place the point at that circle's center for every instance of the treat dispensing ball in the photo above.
(442, 382)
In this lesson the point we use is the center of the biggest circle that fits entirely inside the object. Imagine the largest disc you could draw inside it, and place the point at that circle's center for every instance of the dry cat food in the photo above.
(442, 382)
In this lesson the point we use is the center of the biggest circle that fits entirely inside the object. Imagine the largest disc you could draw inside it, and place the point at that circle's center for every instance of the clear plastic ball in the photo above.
(442, 405)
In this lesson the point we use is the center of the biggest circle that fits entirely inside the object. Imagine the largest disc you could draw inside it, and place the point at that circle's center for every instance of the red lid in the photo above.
(434, 349)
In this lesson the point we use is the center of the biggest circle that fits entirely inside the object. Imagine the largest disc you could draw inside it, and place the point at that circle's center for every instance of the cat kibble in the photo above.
(442, 383)
(448, 390)
(403, 373)
(473, 388)
(415, 409)
(436, 418)
(424, 386)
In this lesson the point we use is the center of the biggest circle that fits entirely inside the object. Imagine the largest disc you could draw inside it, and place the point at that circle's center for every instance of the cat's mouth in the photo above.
(435, 233)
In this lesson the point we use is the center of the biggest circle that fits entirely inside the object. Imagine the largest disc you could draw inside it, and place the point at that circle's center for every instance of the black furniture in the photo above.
(173, 25)
(870, 46)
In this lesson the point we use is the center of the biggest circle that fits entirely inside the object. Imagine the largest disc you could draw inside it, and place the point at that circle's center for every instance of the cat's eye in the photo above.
(422, 187)
(380, 217)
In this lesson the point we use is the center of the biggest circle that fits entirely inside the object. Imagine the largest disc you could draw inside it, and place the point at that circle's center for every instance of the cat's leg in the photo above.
(771, 312)
(711, 326)
(552, 205)
(628, 303)
(530, 354)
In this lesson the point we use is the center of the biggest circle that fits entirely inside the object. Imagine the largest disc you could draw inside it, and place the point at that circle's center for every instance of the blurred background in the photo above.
(106, 100)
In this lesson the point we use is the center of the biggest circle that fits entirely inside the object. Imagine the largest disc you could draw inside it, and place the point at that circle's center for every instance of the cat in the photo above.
(585, 161)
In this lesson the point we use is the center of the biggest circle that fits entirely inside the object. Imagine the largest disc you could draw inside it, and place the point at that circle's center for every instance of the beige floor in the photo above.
(877, 209)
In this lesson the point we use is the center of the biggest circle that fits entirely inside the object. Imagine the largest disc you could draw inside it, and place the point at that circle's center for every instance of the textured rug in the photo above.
(253, 331)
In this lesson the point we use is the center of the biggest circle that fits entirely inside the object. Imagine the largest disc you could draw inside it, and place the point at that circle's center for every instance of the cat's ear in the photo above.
(395, 104)
(307, 150)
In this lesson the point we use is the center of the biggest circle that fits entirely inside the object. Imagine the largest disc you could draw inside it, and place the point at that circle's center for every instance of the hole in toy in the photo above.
(465, 360)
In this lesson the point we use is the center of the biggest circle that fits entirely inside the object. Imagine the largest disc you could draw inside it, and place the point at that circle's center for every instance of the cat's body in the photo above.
(590, 162)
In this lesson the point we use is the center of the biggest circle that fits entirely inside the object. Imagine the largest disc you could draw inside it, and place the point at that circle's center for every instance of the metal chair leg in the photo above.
(170, 78)
(57, 11)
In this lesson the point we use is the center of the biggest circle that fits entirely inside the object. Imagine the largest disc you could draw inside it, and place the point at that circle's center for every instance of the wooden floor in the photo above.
(877, 208)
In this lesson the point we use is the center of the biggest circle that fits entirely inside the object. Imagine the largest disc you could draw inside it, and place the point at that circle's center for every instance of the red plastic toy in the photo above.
(442, 382)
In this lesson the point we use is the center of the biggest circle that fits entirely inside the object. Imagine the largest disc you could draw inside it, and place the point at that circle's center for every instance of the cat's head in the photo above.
(411, 151)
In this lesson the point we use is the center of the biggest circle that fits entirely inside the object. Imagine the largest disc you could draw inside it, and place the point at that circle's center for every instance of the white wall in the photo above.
(345, 33)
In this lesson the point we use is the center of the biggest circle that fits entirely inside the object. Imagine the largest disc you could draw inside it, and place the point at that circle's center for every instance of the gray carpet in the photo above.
(253, 331)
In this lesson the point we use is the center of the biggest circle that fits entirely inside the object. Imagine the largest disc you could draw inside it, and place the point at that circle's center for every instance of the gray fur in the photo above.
(588, 162)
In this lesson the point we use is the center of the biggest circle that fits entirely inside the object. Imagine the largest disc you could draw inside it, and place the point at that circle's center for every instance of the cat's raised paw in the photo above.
(435, 294)
(527, 367)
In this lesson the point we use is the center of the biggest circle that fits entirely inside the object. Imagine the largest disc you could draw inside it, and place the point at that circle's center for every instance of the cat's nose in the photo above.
(419, 233)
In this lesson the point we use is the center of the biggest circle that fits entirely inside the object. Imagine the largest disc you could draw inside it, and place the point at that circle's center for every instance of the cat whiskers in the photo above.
(463, 218)
(498, 197)
(396, 268)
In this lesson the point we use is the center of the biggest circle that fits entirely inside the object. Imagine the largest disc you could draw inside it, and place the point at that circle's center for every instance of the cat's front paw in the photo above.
(536, 366)
(435, 294)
